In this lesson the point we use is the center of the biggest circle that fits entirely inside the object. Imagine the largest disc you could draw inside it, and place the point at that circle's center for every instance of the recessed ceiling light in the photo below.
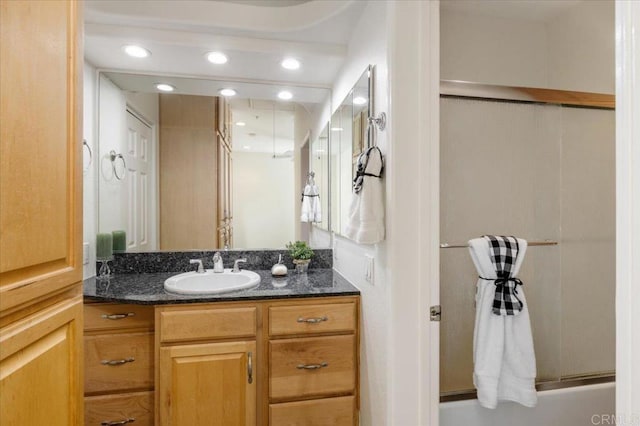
(165, 87)
(285, 95)
(227, 92)
(246, 147)
(136, 51)
(241, 123)
(290, 64)
(359, 100)
(337, 129)
(217, 58)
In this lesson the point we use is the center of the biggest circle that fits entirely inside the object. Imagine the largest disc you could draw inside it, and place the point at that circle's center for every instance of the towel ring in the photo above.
(113, 157)
(85, 144)
(380, 121)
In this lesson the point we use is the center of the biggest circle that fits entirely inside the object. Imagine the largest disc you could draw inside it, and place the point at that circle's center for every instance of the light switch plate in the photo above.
(85, 253)
(369, 268)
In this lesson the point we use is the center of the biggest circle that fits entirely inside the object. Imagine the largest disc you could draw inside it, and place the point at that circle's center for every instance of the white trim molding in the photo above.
(627, 212)
(414, 212)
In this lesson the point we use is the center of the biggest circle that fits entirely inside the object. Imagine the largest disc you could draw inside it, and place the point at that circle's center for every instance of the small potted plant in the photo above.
(301, 254)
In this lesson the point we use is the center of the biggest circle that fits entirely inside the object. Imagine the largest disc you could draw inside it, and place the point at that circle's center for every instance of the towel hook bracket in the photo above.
(380, 121)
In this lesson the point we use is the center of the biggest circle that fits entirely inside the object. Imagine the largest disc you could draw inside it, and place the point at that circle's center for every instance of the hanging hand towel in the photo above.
(310, 210)
(503, 354)
(365, 222)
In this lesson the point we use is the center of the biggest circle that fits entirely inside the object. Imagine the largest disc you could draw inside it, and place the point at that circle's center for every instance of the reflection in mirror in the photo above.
(349, 137)
(320, 167)
(202, 171)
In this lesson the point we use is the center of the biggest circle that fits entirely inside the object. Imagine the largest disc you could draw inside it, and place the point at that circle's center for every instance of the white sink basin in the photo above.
(210, 282)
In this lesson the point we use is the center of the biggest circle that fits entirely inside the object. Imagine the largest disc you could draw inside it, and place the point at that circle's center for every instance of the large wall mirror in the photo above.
(349, 137)
(184, 165)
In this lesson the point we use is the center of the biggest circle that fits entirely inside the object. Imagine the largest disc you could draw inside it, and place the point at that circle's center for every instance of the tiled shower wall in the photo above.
(538, 172)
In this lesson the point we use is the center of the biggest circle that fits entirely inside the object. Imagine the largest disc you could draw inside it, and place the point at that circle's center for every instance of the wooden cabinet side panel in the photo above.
(40, 150)
(40, 374)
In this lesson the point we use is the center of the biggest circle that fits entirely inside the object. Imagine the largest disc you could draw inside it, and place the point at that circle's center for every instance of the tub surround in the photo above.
(178, 261)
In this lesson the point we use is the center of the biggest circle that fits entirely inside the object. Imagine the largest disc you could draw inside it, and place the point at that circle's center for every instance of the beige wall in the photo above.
(570, 50)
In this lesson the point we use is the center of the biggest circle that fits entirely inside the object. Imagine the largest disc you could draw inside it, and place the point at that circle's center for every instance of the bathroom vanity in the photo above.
(283, 353)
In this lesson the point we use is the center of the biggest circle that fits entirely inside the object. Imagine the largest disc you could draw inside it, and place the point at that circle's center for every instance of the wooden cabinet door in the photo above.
(40, 150)
(211, 384)
(40, 368)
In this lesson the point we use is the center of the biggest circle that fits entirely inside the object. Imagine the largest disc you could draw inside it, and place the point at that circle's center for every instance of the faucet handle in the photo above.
(236, 267)
(200, 266)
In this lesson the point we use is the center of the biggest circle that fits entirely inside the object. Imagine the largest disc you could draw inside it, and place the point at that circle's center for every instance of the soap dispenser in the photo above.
(279, 269)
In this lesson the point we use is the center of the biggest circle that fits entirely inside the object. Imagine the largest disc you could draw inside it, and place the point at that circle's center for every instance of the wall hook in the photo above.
(380, 121)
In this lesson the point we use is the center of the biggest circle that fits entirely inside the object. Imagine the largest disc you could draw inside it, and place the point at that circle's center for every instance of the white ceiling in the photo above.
(256, 36)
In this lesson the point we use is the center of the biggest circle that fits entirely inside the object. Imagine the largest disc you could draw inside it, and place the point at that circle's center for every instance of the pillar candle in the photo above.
(104, 246)
(119, 241)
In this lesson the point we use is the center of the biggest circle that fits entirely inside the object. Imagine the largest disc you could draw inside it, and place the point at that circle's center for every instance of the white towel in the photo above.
(365, 223)
(504, 359)
(311, 210)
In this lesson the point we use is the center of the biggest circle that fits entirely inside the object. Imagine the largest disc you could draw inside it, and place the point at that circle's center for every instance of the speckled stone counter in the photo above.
(148, 288)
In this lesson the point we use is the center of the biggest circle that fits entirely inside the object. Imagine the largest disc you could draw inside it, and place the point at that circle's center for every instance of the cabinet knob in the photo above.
(312, 320)
(118, 422)
(117, 362)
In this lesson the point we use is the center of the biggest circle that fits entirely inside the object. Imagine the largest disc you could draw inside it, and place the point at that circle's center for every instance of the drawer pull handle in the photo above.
(312, 366)
(312, 320)
(118, 316)
(118, 422)
(250, 367)
(117, 362)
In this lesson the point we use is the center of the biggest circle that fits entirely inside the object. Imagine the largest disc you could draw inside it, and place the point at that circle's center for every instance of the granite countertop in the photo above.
(148, 288)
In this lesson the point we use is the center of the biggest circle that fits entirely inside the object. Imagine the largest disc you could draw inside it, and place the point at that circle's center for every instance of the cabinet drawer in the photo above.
(307, 319)
(110, 316)
(318, 412)
(131, 357)
(312, 366)
(182, 324)
(111, 409)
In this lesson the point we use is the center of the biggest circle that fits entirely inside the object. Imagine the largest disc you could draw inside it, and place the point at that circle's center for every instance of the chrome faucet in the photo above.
(200, 266)
(218, 264)
(236, 266)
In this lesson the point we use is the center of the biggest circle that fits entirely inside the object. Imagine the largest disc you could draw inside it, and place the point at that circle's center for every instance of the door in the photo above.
(142, 212)
(209, 384)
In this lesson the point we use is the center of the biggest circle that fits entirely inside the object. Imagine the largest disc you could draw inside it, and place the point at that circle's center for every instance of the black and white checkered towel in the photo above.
(504, 252)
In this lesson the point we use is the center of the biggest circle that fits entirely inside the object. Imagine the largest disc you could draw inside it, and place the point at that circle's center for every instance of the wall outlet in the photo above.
(369, 268)
(85, 253)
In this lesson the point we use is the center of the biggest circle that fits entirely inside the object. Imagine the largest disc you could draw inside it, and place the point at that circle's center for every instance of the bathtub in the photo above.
(575, 406)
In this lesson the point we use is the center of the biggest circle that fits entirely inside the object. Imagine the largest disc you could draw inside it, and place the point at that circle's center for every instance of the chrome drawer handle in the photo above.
(312, 320)
(117, 362)
(312, 366)
(116, 423)
(118, 316)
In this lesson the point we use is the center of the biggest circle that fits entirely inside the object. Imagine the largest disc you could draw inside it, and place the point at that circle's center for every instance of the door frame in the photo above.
(155, 184)
(627, 212)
